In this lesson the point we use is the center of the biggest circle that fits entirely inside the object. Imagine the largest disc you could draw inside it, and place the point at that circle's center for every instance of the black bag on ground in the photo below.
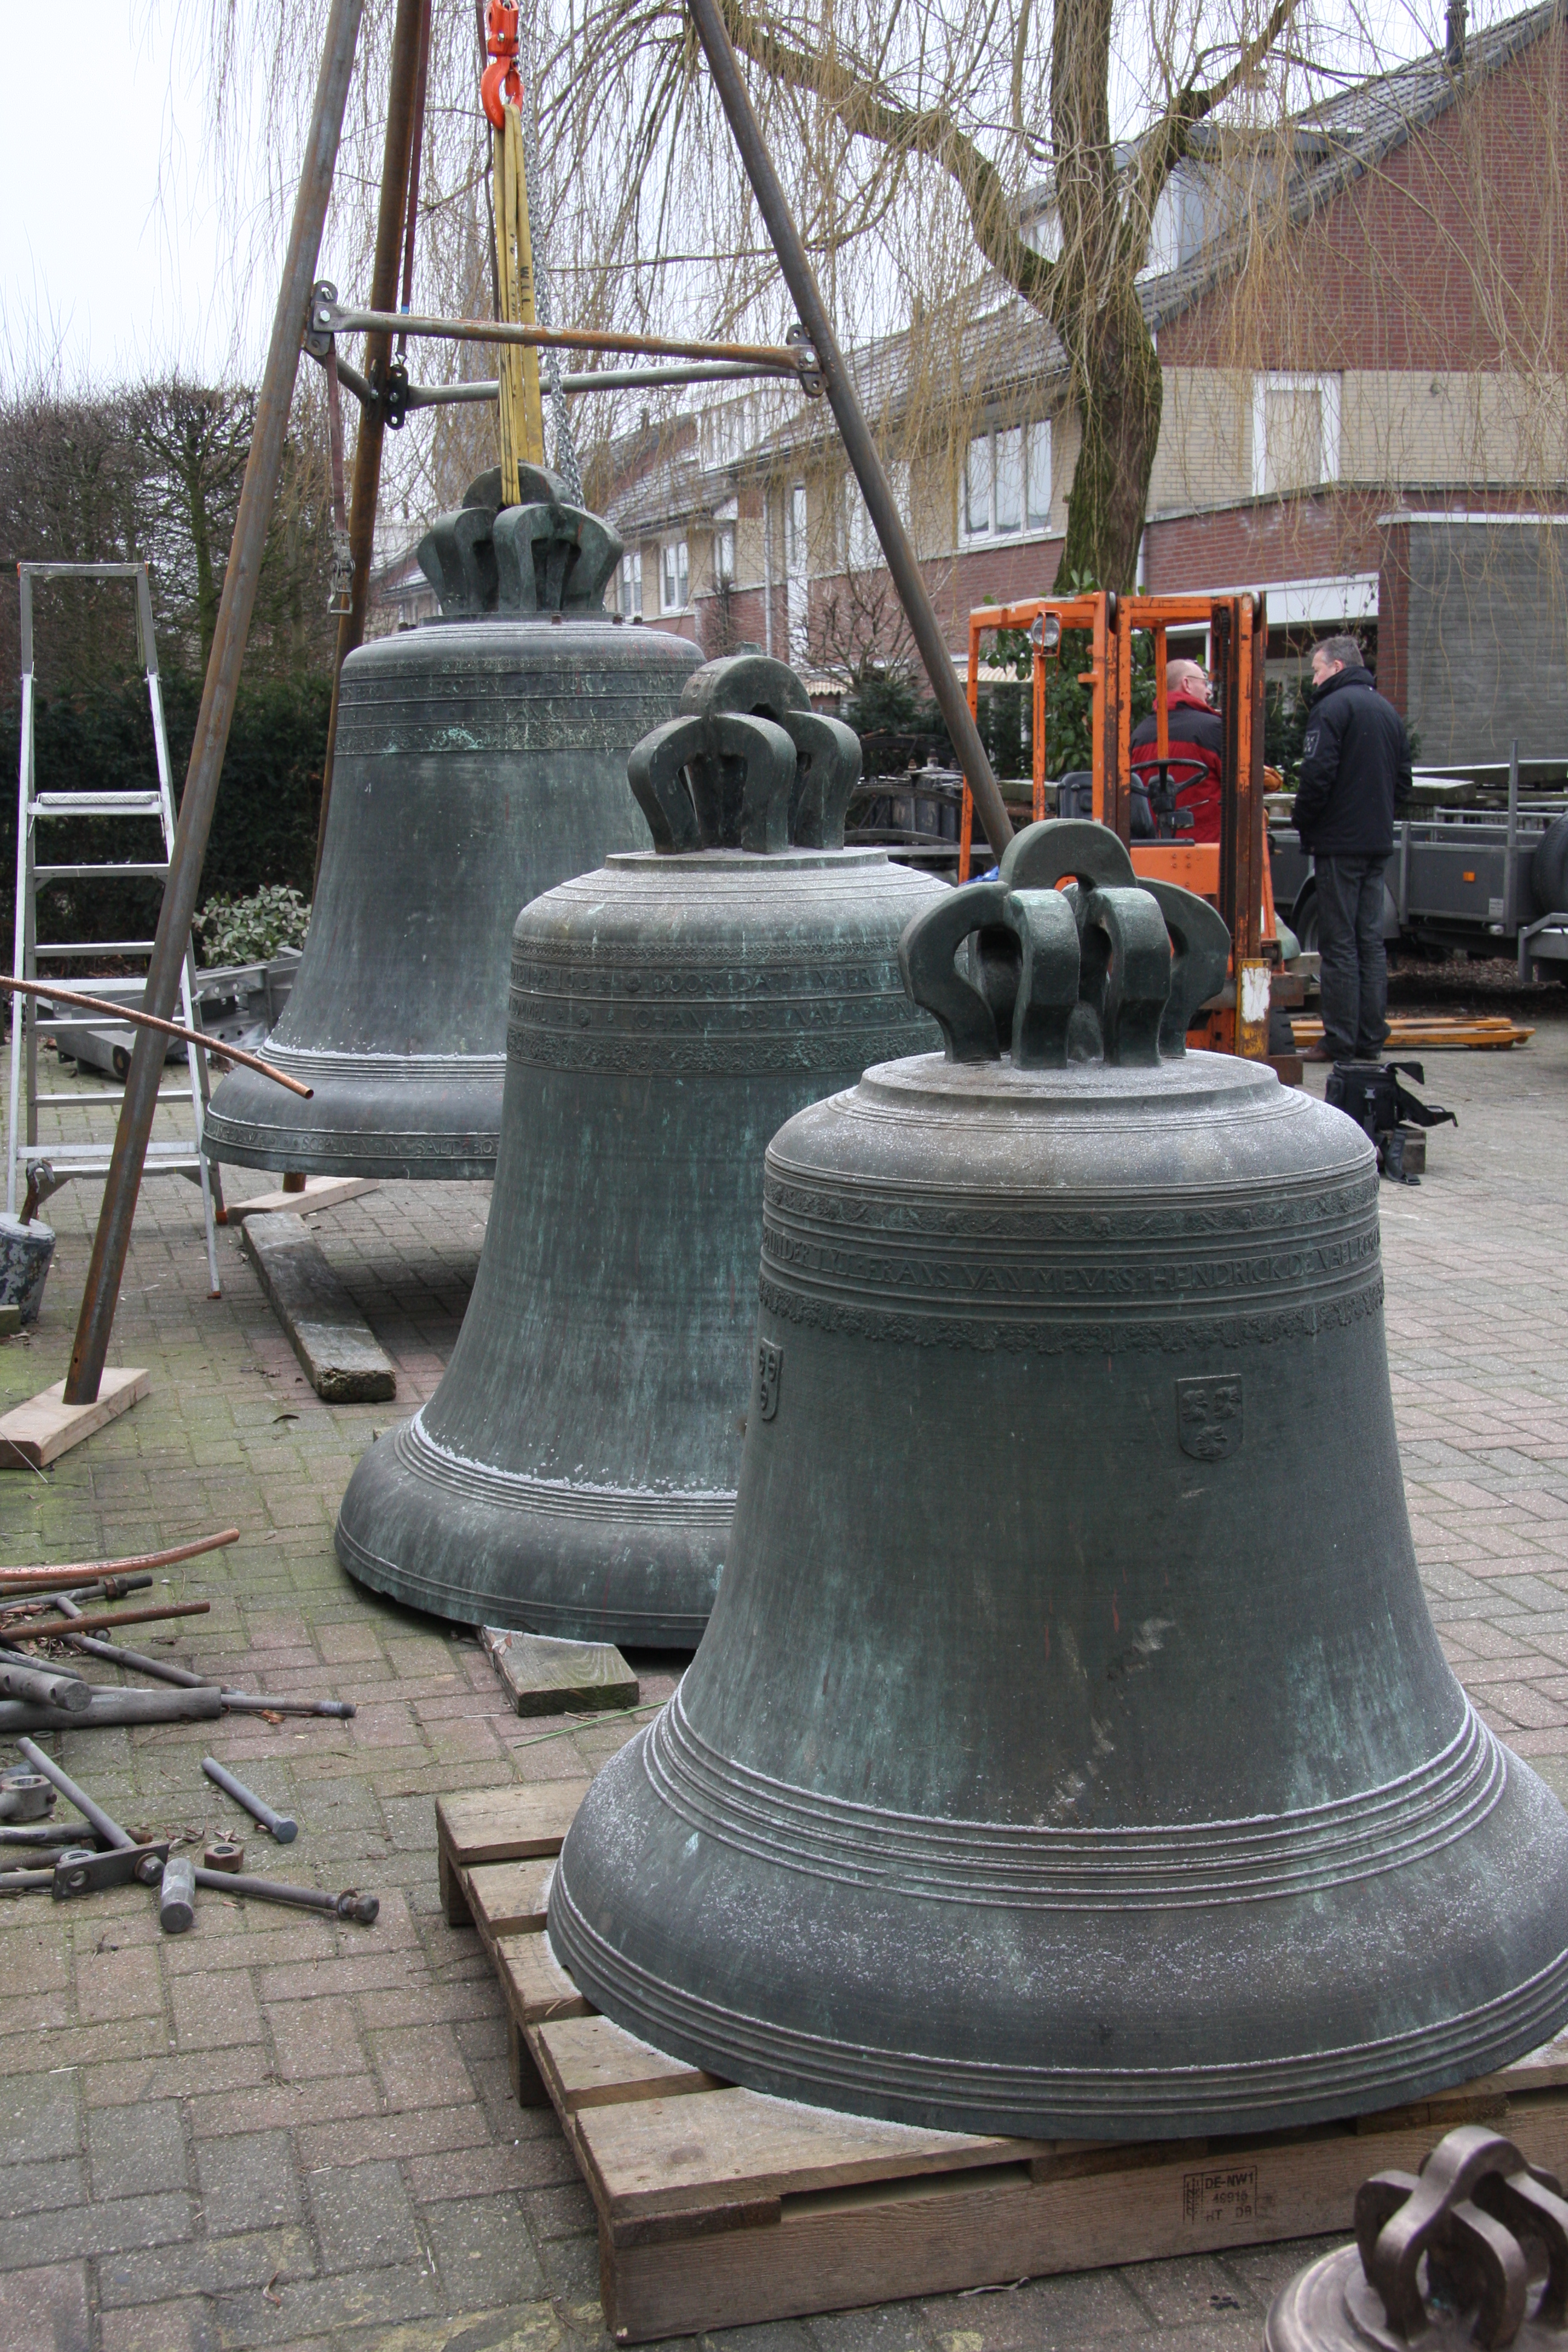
(1371, 1094)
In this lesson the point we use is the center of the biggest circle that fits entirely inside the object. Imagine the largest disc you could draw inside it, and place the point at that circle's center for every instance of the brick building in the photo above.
(1353, 317)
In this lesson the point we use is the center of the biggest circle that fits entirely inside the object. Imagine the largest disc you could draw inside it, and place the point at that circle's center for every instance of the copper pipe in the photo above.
(89, 1572)
(147, 1021)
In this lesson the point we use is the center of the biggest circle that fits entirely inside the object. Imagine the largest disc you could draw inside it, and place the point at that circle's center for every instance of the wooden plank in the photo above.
(668, 2155)
(343, 1361)
(507, 1824)
(925, 2237)
(509, 1899)
(34, 1435)
(547, 1676)
(536, 1986)
(320, 1192)
(586, 2061)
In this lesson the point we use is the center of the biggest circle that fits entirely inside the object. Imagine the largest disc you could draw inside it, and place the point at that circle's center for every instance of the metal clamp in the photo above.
(813, 382)
(81, 1870)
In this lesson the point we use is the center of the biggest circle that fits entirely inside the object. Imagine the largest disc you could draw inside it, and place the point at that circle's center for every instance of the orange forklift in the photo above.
(1232, 873)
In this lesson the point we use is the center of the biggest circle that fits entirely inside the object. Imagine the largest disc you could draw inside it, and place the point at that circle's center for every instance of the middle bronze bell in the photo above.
(574, 1472)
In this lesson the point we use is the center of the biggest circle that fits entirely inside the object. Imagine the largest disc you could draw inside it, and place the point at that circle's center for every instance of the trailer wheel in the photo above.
(1549, 869)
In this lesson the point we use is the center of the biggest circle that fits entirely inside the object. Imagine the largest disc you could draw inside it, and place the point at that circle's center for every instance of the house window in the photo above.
(862, 547)
(724, 553)
(1295, 431)
(630, 598)
(672, 577)
(1007, 481)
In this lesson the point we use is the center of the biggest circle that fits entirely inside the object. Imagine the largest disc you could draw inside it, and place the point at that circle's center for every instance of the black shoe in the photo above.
(1322, 1054)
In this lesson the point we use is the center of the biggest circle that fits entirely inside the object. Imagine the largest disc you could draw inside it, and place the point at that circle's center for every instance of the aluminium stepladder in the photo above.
(91, 1156)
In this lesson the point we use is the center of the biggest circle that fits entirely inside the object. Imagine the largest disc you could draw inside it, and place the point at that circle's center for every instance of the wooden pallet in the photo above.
(1411, 1032)
(720, 2207)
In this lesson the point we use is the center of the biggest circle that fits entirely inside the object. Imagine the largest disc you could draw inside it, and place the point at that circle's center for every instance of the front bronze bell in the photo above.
(481, 760)
(1071, 1751)
(574, 1472)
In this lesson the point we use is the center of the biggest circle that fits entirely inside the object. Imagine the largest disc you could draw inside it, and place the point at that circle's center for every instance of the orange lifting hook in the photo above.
(499, 81)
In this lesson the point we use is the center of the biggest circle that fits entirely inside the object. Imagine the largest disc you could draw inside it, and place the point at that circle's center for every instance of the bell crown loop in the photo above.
(1107, 969)
(748, 766)
(543, 556)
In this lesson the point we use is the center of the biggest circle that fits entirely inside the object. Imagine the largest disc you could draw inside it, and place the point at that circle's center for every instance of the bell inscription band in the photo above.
(481, 760)
(574, 1472)
(1071, 1751)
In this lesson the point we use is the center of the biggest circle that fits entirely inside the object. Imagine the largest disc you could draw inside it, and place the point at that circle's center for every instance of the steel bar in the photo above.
(366, 483)
(37, 1834)
(859, 448)
(104, 1587)
(479, 389)
(115, 1011)
(89, 1812)
(76, 1570)
(350, 1904)
(66, 1693)
(164, 1670)
(282, 1826)
(111, 1240)
(115, 1706)
(772, 359)
(26, 1882)
(31, 1632)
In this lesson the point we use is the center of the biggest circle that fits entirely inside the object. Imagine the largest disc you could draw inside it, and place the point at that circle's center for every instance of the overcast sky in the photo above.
(122, 252)
(117, 243)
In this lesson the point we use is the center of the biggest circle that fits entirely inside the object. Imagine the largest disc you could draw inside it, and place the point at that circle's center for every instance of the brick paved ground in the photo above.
(280, 2131)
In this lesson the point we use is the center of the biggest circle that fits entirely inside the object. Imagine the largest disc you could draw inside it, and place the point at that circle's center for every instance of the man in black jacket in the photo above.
(1355, 774)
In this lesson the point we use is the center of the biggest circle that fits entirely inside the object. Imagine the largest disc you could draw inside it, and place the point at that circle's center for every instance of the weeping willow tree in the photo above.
(981, 184)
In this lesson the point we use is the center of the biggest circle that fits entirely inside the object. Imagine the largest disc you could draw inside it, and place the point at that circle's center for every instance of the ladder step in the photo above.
(99, 1102)
(93, 947)
(96, 804)
(79, 1162)
(81, 873)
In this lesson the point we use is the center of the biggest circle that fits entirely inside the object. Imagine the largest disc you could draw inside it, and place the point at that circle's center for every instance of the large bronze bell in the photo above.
(1071, 1751)
(574, 1472)
(481, 760)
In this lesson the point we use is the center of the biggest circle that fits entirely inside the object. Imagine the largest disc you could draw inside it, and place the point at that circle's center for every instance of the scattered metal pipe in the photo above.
(111, 1240)
(26, 1882)
(341, 1710)
(75, 1570)
(31, 1631)
(67, 1694)
(283, 1826)
(350, 1904)
(37, 1833)
(164, 1670)
(859, 448)
(115, 1706)
(89, 1812)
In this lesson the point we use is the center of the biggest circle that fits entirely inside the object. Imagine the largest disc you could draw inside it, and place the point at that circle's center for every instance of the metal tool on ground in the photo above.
(114, 1708)
(283, 1826)
(86, 1806)
(83, 1870)
(350, 1904)
(164, 1670)
(33, 1834)
(177, 1896)
(24, 1796)
(139, 1020)
(152, 804)
(106, 1587)
(54, 1628)
(66, 1692)
(25, 1882)
(226, 1855)
(253, 524)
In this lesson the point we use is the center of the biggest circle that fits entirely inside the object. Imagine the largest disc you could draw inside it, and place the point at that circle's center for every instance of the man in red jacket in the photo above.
(1196, 744)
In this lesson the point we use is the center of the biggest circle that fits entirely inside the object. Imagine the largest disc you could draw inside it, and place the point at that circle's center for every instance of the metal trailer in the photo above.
(1478, 878)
